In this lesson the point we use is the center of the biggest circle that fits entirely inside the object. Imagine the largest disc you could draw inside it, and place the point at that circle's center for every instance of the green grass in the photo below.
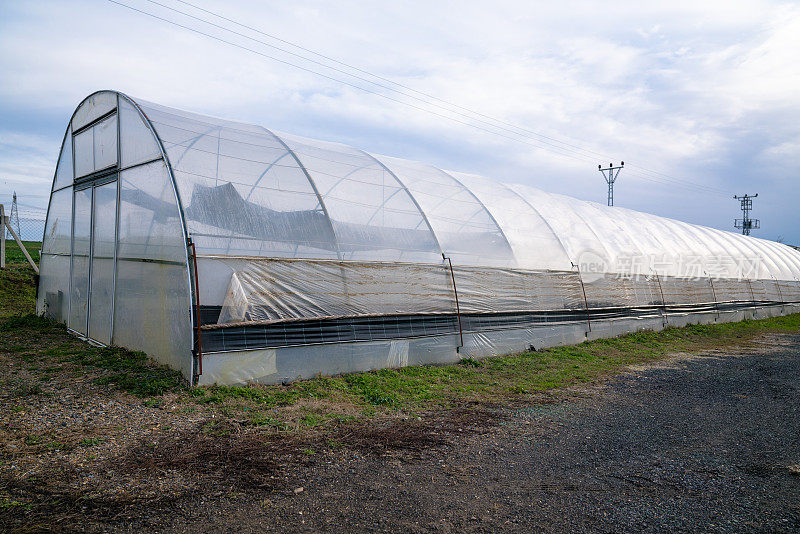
(492, 379)
(130, 371)
(14, 253)
(368, 393)
(17, 288)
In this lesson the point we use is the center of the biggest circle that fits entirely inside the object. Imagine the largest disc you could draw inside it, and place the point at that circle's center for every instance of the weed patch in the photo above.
(241, 461)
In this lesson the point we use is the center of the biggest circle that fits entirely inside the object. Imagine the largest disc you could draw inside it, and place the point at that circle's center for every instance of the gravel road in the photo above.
(694, 443)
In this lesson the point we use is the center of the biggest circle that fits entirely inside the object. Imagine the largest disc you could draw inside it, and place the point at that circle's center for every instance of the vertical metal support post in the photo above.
(116, 224)
(611, 177)
(90, 259)
(663, 303)
(780, 295)
(2, 237)
(71, 257)
(752, 297)
(714, 294)
(458, 308)
(197, 313)
(585, 303)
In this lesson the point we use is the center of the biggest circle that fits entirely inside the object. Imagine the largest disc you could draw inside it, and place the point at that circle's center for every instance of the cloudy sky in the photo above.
(701, 99)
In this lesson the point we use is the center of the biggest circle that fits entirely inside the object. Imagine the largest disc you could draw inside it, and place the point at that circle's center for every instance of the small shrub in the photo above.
(33, 440)
(311, 420)
(153, 403)
(26, 390)
(261, 420)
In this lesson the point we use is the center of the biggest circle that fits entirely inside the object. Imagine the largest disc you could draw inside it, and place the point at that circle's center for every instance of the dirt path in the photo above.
(691, 443)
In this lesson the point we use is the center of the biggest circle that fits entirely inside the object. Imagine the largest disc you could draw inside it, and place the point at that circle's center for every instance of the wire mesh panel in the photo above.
(612, 290)
(764, 291)
(279, 289)
(270, 290)
(686, 290)
(732, 290)
(790, 289)
(484, 289)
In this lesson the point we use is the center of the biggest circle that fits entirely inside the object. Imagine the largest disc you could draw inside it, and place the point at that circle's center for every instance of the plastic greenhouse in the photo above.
(234, 254)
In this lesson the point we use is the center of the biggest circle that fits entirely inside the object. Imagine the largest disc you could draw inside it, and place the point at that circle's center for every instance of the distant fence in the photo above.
(27, 220)
(28, 229)
(11, 228)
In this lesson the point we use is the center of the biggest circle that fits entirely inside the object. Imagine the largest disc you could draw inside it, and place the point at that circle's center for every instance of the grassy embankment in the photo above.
(409, 390)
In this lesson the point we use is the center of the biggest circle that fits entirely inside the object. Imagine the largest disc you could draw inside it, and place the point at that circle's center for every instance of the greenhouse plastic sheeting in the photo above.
(263, 290)
(249, 191)
(166, 226)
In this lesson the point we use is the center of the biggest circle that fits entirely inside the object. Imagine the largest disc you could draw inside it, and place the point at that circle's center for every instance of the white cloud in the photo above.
(685, 87)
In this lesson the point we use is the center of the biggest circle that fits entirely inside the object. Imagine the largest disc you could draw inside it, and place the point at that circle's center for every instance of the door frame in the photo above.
(92, 183)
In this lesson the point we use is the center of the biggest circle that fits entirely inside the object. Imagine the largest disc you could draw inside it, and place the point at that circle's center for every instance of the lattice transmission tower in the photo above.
(13, 217)
(745, 224)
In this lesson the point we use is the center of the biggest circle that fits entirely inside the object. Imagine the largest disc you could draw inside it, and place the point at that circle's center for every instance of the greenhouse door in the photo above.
(93, 259)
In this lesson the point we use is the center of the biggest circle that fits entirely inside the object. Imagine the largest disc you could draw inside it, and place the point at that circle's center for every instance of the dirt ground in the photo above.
(701, 442)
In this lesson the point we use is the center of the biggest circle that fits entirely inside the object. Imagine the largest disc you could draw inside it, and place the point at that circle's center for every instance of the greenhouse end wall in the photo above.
(314, 257)
(114, 263)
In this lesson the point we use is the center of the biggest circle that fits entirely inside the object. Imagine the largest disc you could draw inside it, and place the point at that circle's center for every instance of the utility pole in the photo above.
(745, 224)
(610, 173)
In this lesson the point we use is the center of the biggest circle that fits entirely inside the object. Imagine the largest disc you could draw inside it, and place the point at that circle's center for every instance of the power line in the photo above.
(537, 143)
(387, 80)
(330, 77)
(377, 84)
(427, 95)
(516, 127)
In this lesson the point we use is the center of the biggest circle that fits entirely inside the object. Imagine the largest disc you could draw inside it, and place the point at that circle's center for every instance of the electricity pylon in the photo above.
(745, 224)
(13, 218)
(610, 173)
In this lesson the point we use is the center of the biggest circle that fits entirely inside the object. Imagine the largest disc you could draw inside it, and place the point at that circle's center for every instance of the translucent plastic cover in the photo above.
(64, 171)
(94, 107)
(152, 303)
(96, 147)
(138, 143)
(247, 191)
